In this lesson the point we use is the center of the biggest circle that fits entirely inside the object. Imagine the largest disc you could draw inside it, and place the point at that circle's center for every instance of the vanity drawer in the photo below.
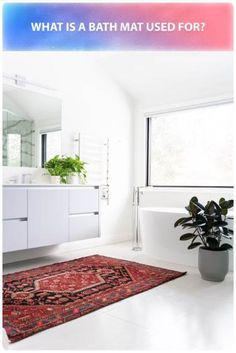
(84, 200)
(84, 226)
(48, 216)
(14, 235)
(14, 202)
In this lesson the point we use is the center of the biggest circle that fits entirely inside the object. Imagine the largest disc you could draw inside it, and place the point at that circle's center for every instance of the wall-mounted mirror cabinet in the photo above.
(31, 127)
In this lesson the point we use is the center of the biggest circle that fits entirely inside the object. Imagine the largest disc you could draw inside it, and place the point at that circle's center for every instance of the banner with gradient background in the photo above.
(117, 26)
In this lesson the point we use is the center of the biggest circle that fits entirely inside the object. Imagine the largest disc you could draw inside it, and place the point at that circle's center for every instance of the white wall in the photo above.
(95, 105)
(11, 173)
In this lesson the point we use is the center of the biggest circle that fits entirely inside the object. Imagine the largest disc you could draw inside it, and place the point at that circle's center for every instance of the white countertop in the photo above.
(49, 185)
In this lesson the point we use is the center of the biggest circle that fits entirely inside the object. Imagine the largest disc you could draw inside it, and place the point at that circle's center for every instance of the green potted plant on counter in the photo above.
(66, 169)
(55, 169)
(209, 227)
(75, 168)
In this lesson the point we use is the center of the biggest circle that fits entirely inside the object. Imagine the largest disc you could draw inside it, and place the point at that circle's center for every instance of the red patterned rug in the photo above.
(37, 299)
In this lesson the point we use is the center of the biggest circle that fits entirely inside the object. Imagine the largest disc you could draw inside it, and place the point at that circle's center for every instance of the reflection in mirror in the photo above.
(50, 145)
(18, 140)
(13, 149)
(31, 127)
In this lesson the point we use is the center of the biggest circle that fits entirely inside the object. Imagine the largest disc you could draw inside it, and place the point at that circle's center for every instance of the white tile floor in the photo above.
(186, 313)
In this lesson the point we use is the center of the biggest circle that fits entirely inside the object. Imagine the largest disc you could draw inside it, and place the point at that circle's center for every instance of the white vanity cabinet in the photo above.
(47, 216)
(83, 200)
(36, 216)
(14, 234)
(14, 202)
(83, 226)
(14, 219)
(83, 213)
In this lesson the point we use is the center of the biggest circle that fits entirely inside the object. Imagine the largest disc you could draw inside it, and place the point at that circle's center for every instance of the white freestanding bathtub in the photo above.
(161, 240)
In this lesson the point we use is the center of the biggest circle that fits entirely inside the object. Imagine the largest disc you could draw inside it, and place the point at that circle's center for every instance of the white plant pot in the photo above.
(72, 179)
(55, 179)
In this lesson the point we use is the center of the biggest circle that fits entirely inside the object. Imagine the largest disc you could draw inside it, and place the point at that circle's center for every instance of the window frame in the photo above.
(149, 118)
(43, 148)
(43, 145)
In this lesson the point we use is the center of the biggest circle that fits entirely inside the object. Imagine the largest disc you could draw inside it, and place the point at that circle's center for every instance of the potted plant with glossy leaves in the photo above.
(209, 228)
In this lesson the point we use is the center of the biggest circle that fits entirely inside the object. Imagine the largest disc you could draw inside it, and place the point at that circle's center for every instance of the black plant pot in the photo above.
(213, 265)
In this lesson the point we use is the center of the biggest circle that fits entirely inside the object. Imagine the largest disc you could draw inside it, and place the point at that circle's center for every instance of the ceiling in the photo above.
(156, 78)
(149, 78)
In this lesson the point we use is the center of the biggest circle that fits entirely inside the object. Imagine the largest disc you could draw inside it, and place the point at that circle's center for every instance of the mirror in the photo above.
(31, 127)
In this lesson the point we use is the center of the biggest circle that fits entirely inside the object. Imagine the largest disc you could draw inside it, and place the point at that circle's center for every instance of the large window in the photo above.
(192, 147)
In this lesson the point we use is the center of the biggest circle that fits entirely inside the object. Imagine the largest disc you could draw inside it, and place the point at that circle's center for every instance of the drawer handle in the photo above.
(23, 219)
